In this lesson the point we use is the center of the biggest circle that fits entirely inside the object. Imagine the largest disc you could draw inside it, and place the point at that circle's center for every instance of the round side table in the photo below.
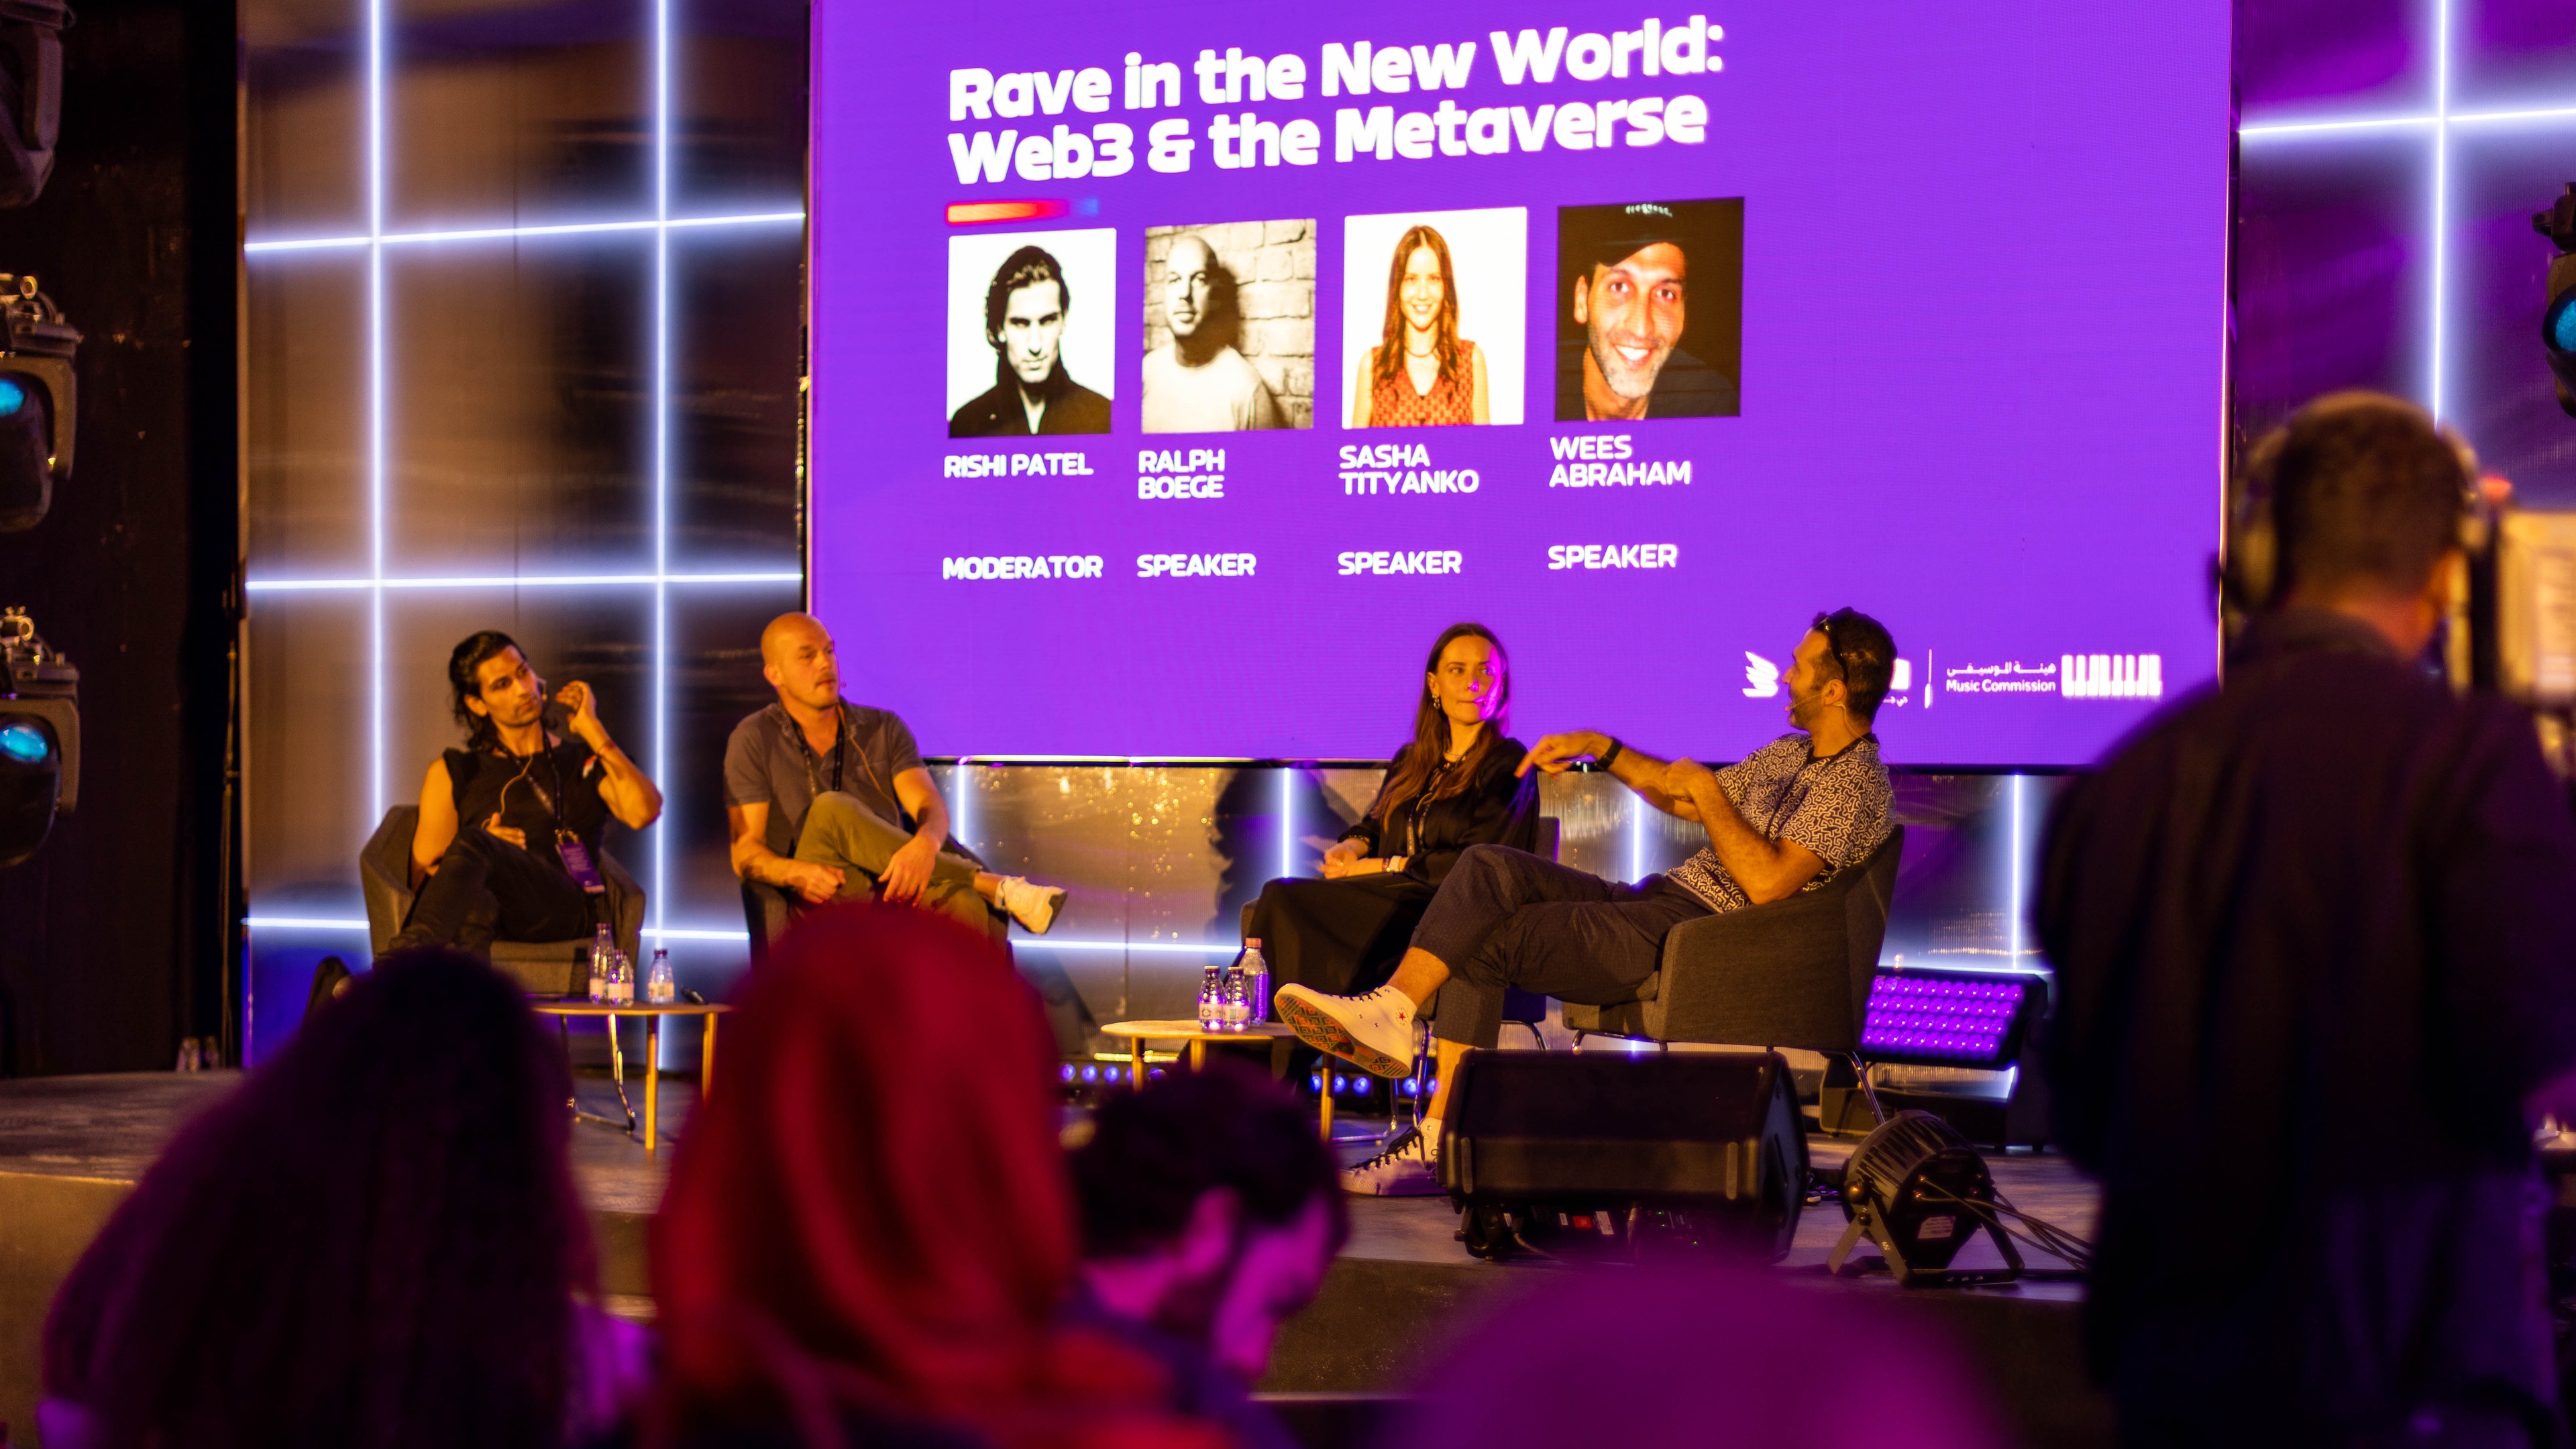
(1279, 1034)
(652, 1012)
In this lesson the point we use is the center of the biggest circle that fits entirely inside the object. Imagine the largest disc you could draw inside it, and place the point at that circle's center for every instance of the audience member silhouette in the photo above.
(1210, 1211)
(372, 1241)
(869, 1234)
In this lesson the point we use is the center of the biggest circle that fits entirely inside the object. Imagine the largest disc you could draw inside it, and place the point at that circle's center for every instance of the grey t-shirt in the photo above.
(768, 762)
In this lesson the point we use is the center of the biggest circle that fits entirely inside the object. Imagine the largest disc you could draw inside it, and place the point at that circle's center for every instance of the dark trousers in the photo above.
(1505, 917)
(1341, 937)
(487, 889)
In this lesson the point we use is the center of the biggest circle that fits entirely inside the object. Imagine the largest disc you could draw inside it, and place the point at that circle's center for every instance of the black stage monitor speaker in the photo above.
(1608, 1156)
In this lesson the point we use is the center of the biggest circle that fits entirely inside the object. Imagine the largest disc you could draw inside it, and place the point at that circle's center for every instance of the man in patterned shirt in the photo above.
(1782, 820)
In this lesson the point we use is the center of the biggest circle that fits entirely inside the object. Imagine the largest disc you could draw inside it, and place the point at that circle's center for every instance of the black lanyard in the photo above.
(553, 802)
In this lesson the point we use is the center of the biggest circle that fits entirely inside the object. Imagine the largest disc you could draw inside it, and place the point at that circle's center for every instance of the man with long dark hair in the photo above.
(2315, 930)
(1025, 311)
(1782, 820)
(508, 842)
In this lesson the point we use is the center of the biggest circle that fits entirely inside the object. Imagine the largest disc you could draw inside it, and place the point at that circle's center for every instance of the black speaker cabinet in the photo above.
(1611, 1156)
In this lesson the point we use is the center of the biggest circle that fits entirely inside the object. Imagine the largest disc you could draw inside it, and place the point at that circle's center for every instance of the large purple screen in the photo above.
(1181, 370)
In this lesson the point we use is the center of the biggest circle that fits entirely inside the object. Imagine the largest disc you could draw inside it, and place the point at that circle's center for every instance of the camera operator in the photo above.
(2315, 932)
(509, 826)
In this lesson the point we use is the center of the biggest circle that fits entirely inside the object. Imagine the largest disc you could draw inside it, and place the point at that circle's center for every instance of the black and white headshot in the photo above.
(1030, 341)
(1229, 327)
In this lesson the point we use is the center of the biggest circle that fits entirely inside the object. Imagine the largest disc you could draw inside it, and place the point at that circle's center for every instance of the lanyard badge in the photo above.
(577, 863)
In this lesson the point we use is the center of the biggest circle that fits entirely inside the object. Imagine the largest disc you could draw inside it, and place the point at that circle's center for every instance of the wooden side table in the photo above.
(1279, 1034)
(652, 1012)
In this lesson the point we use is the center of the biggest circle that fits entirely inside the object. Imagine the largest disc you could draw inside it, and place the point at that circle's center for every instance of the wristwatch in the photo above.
(1611, 754)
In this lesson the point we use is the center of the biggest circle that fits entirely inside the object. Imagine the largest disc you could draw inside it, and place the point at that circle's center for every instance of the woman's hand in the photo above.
(1343, 859)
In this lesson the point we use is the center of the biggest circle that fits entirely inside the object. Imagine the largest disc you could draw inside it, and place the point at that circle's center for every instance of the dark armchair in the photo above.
(547, 968)
(1794, 973)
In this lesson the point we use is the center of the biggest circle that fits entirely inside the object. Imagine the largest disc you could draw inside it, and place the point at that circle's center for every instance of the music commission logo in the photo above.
(2111, 676)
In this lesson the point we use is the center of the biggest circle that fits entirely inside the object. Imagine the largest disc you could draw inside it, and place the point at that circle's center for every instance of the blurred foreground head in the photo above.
(1686, 1360)
(372, 1241)
(1210, 1210)
(2358, 492)
(870, 1220)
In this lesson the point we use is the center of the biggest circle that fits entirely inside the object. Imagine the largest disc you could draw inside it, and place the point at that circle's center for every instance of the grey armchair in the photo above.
(1794, 973)
(546, 968)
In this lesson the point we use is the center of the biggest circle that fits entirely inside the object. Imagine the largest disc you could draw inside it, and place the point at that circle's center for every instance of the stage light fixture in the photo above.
(1949, 1018)
(1916, 1189)
(2558, 311)
(37, 401)
(39, 738)
(31, 94)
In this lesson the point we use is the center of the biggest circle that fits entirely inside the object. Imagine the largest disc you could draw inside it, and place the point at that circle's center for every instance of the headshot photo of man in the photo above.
(1026, 326)
(1650, 320)
(1229, 327)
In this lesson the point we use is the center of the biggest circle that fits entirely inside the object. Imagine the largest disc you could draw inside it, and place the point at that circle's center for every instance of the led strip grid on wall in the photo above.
(2435, 126)
(661, 580)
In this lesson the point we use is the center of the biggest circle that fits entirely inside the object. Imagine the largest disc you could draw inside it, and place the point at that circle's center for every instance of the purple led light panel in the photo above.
(1963, 1021)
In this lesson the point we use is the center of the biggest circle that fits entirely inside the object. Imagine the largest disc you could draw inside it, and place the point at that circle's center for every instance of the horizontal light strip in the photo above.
(509, 233)
(1023, 942)
(515, 581)
(2261, 131)
(326, 923)
(2295, 129)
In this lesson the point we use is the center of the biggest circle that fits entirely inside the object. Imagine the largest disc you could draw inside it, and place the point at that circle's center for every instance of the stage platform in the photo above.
(71, 1147)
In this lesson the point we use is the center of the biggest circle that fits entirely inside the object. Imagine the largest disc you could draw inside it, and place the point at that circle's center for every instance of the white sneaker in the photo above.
(1033, 906)
(1404, 1168)
(1374, 1031)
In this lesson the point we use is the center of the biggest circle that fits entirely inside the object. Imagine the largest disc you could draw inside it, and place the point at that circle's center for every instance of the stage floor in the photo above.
(71, 1147)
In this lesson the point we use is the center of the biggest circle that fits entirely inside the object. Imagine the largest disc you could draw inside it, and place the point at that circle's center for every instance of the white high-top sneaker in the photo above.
(1374, 1031)
(1033, 906)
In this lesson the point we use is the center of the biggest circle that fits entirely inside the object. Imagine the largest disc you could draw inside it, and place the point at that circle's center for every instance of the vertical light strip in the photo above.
(662, 451)
(375, 163)
(2014, 902)
(1637, 808)
(2441, 199)
(1288, 820)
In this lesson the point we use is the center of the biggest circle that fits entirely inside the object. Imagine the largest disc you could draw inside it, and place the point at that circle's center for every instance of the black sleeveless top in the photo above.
(520, 791)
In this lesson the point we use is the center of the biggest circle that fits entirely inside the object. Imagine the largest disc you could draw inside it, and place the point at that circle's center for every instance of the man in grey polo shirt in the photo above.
(817, 791)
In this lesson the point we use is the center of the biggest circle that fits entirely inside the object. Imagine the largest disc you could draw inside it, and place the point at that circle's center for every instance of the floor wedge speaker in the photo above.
(1611, 1156)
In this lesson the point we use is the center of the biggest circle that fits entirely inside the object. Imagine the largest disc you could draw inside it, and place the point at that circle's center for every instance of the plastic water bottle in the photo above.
(661, 986)
(1237, 1010)
(1212, 996)
(1256, 982)
(598, 972)
(621, 979)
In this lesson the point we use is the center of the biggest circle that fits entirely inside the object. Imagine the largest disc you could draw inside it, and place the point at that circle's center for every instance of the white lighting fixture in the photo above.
(659, 224)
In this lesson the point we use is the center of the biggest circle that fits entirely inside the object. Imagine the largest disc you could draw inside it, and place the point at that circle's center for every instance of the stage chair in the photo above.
(765, 913)
(544, 968)
(1794, 973)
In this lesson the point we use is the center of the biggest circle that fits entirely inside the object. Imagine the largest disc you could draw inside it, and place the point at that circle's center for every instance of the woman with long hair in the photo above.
(1453, 785)
(1421, 373)
(373, 1241)
(870, 1236)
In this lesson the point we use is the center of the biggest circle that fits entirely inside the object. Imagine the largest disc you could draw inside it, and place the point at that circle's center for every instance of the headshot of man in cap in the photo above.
(1636, 275)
